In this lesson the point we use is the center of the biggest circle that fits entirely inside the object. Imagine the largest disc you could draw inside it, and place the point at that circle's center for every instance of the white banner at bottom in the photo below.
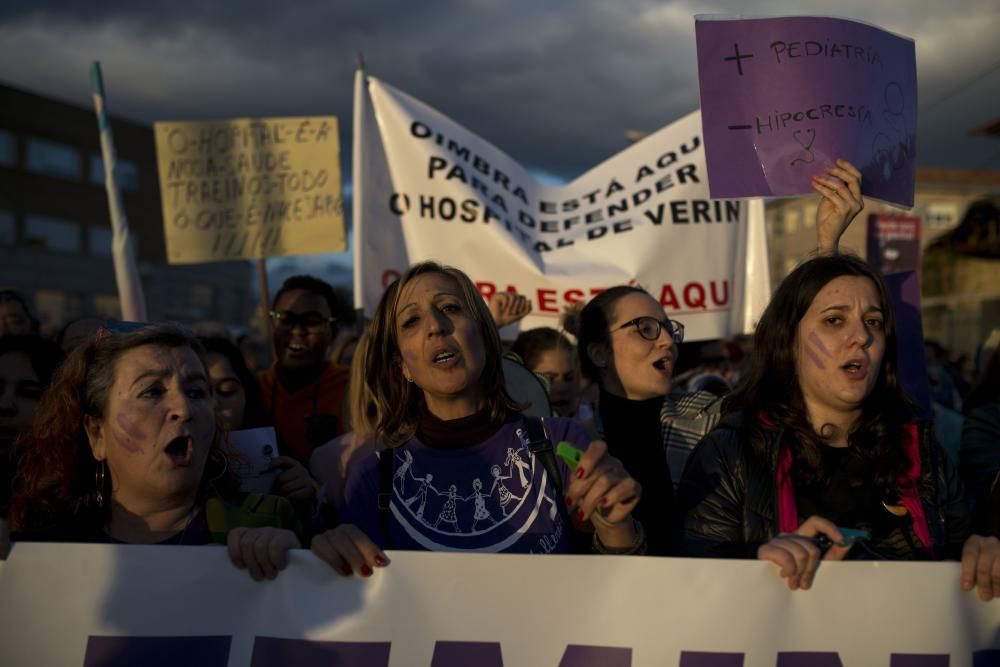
(93, 605)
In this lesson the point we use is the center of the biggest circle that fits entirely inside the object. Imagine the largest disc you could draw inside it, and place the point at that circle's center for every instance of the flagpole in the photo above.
(265, 293)
(357, 179)
(130, 295)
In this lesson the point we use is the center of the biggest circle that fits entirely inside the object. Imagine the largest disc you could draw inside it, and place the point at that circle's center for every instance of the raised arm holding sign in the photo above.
(784, 97)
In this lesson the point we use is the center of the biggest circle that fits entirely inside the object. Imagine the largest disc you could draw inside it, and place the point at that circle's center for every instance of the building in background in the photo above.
(55, 229)
(960, 293)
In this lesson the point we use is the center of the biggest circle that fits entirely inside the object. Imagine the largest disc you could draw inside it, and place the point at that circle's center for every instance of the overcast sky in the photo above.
(555, 84)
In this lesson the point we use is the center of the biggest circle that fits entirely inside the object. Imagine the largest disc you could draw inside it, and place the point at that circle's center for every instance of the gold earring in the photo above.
(100, 474)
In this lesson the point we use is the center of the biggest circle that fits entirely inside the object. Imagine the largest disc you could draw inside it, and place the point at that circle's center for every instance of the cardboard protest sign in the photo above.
(250, 188)
(426, 188)
(783, 97)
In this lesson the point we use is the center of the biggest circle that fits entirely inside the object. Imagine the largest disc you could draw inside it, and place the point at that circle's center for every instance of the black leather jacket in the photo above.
(727, 500)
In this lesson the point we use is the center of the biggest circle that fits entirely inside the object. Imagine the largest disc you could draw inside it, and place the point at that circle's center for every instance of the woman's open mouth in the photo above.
(444, 358)
(663, 365)
(856, 369)
(180, 450)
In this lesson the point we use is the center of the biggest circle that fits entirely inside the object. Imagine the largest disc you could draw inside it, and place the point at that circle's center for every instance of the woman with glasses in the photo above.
(462, 471)
(628, 347)
(820, 456)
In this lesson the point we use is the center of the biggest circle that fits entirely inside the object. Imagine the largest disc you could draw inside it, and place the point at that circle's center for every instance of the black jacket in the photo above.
(979, 461)
(728, 507)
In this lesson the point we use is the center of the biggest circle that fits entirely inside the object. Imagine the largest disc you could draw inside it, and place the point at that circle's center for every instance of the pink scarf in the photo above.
(788, 516)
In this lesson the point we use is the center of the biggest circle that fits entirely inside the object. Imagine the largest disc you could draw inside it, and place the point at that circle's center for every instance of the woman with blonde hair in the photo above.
(434, 371)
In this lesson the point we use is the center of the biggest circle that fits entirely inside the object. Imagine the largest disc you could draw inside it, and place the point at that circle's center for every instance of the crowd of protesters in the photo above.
(795, 446)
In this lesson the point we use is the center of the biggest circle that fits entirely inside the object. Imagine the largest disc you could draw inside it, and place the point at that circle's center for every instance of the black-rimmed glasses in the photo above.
(311, 321)
(650, 328)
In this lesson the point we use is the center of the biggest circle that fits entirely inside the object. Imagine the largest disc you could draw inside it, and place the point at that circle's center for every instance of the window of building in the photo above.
(127, 174)
(54, 159)
(8, 232)
(56, 234)
(100, 241)
(809, 215)
(942, 214)
(8, 149)
(792, 219)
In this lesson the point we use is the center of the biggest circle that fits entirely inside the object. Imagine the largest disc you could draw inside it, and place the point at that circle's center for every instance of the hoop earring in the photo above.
(100, 479)
(225, 464)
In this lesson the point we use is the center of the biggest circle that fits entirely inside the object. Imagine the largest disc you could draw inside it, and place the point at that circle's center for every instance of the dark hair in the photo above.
(44, 355)
(55, 490)
(254, 414)
(987, 387)
(397, 400)
(533, 343)
(308, 284)
(771, 386)
(595, 320)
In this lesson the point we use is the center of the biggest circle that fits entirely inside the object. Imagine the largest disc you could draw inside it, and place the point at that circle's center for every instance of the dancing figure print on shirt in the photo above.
(493, 497)
(402, 470)
(421, 495)
(481, 513)
(449, 513)
(506, 497)
(514, 458)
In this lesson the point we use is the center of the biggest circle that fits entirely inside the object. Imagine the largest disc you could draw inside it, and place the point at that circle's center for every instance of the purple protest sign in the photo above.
(782, 98)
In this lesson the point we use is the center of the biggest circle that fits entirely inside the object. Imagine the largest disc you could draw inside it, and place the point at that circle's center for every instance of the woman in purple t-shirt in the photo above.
(459, 476)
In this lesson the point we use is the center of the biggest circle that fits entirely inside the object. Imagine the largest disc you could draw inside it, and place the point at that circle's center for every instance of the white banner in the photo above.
(427, 188)
(100, 605)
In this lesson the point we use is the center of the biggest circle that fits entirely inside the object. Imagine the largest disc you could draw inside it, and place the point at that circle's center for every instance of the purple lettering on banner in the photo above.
(596, 656)
(987, 658)
(917, 660)
(157, 651)
(462, 654)
(705, 659)
(275, 652)
(808, 659)
(782, 98)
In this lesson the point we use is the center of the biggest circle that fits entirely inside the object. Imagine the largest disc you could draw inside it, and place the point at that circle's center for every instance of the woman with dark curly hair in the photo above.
(126, 448)
(819, 437)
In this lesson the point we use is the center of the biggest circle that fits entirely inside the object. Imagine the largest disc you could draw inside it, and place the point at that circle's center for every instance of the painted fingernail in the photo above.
(380, 561)
(366, 571)
(604, 501)
(581, 515)
(346, 571)
(579, 473)
(569, 501)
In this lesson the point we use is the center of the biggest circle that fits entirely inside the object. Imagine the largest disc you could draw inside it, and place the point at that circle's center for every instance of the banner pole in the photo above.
(265, 294)
(357, 176)
(130, 295)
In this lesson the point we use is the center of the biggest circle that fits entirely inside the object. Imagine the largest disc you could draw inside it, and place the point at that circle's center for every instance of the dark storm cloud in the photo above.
(554, 84)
